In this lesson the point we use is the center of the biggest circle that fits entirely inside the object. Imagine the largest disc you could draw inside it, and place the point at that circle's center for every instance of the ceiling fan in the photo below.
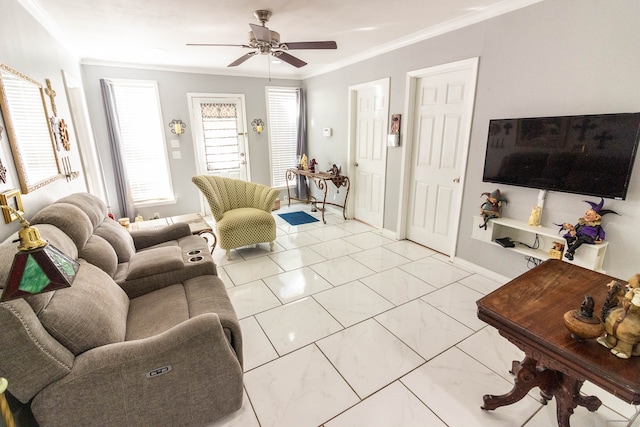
(267, 42)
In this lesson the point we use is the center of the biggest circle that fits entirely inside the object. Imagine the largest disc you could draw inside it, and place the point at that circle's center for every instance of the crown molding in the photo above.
(471, 18)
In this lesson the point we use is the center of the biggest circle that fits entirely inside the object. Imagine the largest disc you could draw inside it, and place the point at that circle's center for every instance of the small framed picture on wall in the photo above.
(13, 200)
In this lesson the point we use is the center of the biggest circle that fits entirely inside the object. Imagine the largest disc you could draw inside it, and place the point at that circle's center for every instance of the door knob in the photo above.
(242, 162)
(355, 164)
(456, 180)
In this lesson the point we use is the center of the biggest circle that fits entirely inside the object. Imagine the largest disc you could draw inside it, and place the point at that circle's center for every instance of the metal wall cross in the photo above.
(51, 94)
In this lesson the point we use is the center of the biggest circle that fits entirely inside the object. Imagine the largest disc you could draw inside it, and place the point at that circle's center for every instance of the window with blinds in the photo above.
(142, 138)
(282, 117)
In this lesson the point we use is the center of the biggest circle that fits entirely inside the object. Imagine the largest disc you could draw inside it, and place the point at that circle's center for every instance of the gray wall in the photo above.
(173, 88)
(28, 48)
(552, 58)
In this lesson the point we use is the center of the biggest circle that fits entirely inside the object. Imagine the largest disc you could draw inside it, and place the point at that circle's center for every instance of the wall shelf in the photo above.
(587, 256)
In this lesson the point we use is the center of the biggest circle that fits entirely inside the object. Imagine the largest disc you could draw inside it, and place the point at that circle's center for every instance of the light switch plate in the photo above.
(175, 143)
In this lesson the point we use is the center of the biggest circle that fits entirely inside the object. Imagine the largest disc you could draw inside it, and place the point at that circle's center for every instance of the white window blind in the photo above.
(143, 149)
(282, 112)
(219, 122)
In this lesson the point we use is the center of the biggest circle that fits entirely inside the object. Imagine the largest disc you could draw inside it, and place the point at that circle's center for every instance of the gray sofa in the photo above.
(166, 352)
(140, 261)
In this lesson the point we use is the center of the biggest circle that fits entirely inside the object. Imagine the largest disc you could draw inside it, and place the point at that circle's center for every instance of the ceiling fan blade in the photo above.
(216, 44)
(312, 45)
(242, 59)
(261, 33)
(291, 59)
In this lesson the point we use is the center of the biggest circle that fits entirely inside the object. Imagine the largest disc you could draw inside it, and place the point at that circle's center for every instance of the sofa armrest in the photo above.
(146, 238)
(136, 382)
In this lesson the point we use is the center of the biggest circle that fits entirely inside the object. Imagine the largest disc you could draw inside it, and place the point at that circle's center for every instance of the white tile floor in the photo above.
(344, 327)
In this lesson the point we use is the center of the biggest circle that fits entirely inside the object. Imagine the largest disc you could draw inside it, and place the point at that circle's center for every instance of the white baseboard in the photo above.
(464, 264)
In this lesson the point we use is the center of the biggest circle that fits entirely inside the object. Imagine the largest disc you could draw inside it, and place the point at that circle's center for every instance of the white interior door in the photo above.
(441, 118)
(370, 112)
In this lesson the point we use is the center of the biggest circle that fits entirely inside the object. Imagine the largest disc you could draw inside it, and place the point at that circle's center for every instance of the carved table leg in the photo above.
(527, 377)
(567, 393)
(564, 388)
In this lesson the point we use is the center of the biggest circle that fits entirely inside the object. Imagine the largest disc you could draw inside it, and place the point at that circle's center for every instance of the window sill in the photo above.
(155, 203)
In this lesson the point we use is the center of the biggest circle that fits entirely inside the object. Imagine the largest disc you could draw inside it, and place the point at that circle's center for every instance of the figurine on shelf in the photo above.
(492, 207)
(312, 166)
(304, 162)
(587, 230)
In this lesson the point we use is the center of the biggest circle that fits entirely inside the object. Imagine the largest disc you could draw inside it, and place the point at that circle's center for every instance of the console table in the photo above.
(320, 179)
(528, 311)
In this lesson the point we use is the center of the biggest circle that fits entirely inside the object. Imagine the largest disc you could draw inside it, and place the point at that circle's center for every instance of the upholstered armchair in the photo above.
(242, 211)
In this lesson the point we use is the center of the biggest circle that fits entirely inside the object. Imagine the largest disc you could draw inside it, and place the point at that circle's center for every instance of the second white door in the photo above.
(370, 110)
(442, 111)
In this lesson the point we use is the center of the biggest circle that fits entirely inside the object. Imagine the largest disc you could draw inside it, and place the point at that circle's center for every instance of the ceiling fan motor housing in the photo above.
(262, 15)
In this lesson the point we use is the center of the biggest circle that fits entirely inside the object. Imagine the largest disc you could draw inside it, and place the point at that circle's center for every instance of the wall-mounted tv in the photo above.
(591, 155)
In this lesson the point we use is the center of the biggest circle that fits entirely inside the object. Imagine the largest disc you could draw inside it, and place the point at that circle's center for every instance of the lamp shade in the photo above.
(39, 270)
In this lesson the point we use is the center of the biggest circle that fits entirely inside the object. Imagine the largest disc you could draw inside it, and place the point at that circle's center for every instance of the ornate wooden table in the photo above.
(528, 311)
(320, 179)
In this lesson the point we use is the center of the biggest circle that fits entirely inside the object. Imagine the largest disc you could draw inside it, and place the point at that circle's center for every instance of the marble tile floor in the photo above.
(345, 327)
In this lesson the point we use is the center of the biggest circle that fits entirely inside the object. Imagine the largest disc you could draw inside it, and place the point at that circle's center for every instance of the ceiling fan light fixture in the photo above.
(264, 41)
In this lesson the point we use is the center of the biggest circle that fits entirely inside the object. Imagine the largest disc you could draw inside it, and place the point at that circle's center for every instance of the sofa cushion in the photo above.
(95, 208)
(156, 312)
(118, 237)
(158, 261)
(68, 218)
(89, 314)
(100, 253)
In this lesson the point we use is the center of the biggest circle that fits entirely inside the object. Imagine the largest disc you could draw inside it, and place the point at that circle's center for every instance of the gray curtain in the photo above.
(125, 201)
(301, 148)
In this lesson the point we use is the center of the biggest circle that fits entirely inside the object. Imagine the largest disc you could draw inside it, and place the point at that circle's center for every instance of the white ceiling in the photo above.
(154, 33)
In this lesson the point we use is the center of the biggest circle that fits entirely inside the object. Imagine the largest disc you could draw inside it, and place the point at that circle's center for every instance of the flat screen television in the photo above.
(591, 155)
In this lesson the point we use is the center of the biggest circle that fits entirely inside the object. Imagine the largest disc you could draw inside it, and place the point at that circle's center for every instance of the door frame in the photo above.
(409, 141)
(351, 132)
(89, 155)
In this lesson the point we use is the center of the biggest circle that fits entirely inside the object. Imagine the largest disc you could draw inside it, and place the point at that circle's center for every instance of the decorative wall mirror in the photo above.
(30, 136)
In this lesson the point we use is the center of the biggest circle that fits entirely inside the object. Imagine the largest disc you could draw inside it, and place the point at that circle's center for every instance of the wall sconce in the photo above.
(257, 125)
(177, 126)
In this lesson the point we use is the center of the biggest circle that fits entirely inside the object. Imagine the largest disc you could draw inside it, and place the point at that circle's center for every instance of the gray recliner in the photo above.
(92, 355)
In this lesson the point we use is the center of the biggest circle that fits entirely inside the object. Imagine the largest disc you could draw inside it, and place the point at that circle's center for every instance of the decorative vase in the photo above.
(582, 324)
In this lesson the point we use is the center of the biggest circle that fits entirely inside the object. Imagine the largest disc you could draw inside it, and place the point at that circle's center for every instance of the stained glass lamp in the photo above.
(38, 266)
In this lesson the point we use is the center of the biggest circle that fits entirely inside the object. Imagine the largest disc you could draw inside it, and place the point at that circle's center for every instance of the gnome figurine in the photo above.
(588, 229)
(492, 207)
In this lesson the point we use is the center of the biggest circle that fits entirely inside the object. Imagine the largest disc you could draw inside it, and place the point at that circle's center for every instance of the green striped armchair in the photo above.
(242, 211)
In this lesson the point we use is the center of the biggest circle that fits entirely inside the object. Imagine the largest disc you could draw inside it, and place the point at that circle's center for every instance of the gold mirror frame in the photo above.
(25, 117)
